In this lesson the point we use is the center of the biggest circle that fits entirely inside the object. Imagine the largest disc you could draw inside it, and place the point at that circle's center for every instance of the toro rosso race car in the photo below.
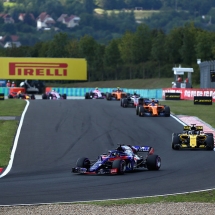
(125, 158)
(95, 94)
(132, 100)
(20, 95)
(117, 94)
(152, 108)
(53, 95)
(192, 137)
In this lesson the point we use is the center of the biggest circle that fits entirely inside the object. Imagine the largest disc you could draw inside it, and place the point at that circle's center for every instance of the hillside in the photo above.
(154, 83)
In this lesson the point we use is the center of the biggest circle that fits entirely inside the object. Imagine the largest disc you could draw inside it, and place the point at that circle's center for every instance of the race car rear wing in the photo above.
(197, 128)
(144, 149)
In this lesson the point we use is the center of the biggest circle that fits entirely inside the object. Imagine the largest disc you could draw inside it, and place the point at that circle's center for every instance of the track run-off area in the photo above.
(55, 133)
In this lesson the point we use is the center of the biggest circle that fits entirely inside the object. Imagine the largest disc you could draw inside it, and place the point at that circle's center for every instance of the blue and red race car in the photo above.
(125, 158)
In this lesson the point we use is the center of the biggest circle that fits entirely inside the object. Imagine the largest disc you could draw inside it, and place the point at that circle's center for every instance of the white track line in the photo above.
(5, 172)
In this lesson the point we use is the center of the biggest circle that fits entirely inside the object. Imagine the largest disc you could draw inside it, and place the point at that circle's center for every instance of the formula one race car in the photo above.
(193, 137)
(53, 95)
(20, 95)
(132, 100)
(125, 158)
(95, 94)
(152, 108)
(116, 94)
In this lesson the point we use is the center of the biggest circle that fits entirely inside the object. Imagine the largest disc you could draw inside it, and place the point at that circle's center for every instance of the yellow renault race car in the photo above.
(192, 137)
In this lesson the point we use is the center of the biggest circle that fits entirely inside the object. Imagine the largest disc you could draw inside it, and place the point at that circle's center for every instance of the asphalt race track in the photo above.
(56, 133)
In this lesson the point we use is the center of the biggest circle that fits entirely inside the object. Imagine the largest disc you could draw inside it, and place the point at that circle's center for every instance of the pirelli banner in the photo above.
(203, 100)
(172, 96)
(43, 68)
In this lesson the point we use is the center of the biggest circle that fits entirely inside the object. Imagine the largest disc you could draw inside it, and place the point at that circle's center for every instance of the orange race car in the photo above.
(116, 94)
(152, 108)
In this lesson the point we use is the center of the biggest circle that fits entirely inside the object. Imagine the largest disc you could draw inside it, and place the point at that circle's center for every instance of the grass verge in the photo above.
(8, 130)
(12, 107)
(184, 107)
(9, 107)
(152, 83)
(203, 197)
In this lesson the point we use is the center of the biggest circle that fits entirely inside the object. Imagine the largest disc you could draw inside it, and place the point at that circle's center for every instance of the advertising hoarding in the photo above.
(43, 68)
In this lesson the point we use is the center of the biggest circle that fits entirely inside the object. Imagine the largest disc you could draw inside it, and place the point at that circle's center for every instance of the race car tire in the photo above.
(121, 102)
(44, 96)
(124, 102)
(167, 111)
(153, 162)
(137, 109)
(210, 143)
(108, 97)
(83, 162)
(50, 96)
(87, 96)
(64, 96)
(10, 96)
(33, 97)
(141, 111)
(175, 141)
(120, 165)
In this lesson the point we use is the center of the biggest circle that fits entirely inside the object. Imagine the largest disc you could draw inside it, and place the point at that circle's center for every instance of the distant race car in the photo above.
(125, 158)
(53, 95)
(20, 95)
(192, 137)
(152, 108)
(95, 94)
(132, 100)
(116, 94)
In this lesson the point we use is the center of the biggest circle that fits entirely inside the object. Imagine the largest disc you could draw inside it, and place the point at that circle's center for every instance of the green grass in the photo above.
(206, 196)
(8, 107)
(184, 107)
(9, 4)
(139, 14)
(154, 83)
(7, 134)
(12, 107)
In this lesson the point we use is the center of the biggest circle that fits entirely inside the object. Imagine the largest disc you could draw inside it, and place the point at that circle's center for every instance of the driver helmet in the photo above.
(53, 90)
(135, 93)
(97, 88)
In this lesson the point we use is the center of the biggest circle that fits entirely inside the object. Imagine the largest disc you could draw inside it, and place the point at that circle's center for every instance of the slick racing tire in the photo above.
(108, 97)
(10, 96)
(124, 102)
(87, 96)
(167, 111)
(175, 141)
(64, 96)
(153, 162)
(83, 163)
(120, 165)
(33, 97)
(210, 143)
(121, 102)
(137, 109)
(141, 111)
(44, 96)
